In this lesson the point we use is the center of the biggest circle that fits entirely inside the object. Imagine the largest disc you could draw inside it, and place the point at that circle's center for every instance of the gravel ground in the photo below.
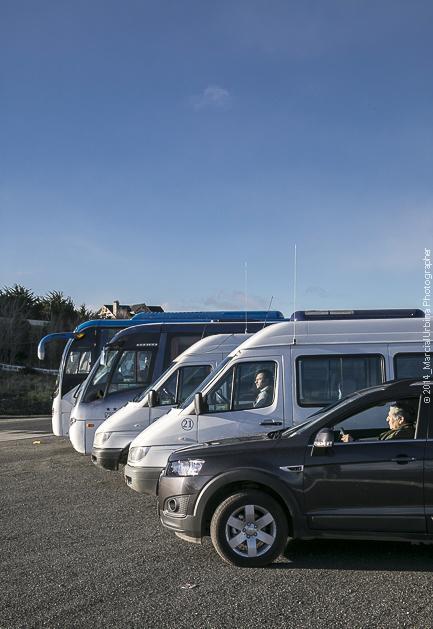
(79, 548)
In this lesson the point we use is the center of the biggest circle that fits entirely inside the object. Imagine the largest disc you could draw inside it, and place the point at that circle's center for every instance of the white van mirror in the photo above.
(324, 439)
(199, 403)
(152, 398)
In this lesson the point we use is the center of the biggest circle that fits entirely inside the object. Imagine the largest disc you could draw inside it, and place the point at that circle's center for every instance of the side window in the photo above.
(219, 398)
(247, 385)
(189, 379)
(322, 380)
(254, 385)
(408, 366)
(167, 391)
(392, 419)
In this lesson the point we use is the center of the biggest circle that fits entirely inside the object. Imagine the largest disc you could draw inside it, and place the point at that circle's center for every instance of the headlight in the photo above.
(186, 467)
(138, 453)
(101, 437)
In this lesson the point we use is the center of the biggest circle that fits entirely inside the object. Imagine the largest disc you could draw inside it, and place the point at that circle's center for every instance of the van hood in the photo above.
(173, 428)
(131, 417)
(223, 443)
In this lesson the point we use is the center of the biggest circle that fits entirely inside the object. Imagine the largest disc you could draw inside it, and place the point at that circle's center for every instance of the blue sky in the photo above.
(150, 149)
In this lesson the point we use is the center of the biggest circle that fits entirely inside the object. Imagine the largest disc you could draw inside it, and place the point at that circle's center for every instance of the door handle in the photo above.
(271, 423)
(403, 459)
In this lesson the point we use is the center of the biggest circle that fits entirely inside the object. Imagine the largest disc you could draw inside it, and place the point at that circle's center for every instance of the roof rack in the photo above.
(387, 313)
(216, 315)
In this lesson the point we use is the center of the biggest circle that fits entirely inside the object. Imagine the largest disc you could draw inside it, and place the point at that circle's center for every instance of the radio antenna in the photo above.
(294, 298)
(269, 307)
(246, 294)
(204, 330)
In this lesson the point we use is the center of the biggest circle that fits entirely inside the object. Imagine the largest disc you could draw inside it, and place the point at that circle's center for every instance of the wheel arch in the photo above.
(227, 484)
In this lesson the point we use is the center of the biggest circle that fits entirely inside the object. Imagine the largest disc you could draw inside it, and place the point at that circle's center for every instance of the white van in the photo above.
(279, 377)
(185, 374)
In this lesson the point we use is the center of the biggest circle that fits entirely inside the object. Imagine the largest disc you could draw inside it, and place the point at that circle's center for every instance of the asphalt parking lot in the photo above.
(79, 548)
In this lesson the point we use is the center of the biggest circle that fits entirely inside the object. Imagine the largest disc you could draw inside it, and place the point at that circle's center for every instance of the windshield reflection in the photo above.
(318, 416)
(99, 375)
(205, 382)
(154, 385)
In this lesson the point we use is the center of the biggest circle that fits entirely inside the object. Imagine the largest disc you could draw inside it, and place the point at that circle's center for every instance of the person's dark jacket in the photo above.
(407, 431)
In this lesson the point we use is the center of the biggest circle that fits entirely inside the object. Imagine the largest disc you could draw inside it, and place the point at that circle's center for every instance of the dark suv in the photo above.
(361, 469)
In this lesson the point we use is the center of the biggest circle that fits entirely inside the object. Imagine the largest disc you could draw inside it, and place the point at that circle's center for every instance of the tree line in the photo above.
(19, 336)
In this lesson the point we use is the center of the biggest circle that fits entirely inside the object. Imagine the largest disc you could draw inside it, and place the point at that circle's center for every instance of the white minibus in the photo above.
(130, 362)
(185, 374)
(277, 378)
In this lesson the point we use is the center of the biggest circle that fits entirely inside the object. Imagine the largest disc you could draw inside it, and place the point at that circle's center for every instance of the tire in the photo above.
(263, 537)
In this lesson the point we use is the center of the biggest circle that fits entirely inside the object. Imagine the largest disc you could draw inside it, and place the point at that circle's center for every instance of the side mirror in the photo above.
(324, 439)
(198, 403)
(152, 398)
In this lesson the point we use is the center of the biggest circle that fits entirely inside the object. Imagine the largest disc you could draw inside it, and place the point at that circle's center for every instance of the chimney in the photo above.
(115, 308)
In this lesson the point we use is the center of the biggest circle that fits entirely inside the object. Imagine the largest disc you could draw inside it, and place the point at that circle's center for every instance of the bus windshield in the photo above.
(99, 376)
(122, 370)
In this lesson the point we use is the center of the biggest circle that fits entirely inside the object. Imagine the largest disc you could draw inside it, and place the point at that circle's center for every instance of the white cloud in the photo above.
(212, 97)
(235, 300)
(396, 244)
(316, 291)
(222, 300)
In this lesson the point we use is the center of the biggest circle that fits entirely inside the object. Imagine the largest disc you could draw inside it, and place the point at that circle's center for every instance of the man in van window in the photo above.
(400, 421)
(265, 388)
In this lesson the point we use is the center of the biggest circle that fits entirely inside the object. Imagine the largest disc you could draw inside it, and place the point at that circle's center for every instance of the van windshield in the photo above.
(213, 374)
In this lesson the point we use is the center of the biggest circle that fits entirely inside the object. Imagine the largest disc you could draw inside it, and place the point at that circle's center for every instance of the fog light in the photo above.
(172, 505)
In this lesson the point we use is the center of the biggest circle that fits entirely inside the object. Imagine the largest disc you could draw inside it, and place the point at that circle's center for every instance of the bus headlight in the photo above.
(101, 437)
(185, 467)
(137, 454)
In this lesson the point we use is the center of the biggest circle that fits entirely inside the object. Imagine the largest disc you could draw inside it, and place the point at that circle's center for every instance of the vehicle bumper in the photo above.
(187, 528)
(144, 480)
(108, 458)
(182, 493)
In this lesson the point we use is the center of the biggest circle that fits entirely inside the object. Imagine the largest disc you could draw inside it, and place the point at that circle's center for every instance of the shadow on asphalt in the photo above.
(356, 555)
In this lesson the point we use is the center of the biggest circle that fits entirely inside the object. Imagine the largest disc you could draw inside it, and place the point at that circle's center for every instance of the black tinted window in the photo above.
(322, 380)
(189, 379)
(408, 366)
(371, 423)
(247, 385)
